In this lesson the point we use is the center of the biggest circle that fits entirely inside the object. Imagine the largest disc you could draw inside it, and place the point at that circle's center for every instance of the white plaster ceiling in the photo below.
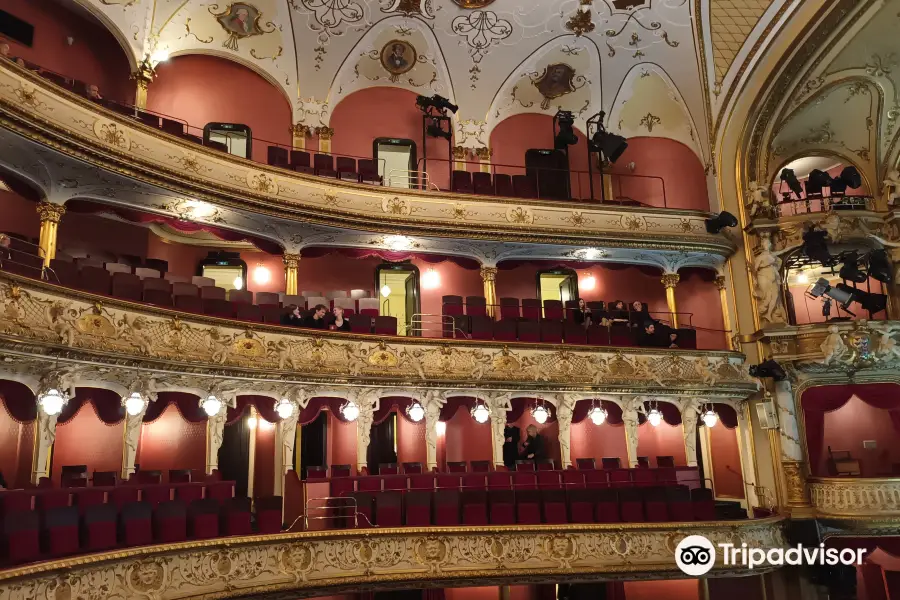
(484, 55)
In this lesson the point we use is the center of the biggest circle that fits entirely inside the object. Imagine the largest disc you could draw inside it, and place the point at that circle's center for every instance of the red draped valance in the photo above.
(187, 404)
(107, 405)
(390, 256)
(816, 401)
(265, 406)
(19, 401)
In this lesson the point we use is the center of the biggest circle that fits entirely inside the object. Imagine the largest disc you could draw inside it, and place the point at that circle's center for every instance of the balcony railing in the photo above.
(855, 497)
(820, 204)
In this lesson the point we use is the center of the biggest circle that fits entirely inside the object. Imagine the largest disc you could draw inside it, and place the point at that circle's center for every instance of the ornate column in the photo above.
(459, 157)
(489, 277)
(484, 157)
(285, 439)
(299, 133)
(630, 419)
(564, 408)
(745, 446)
(143, 392)
(793, 463)
(670, 280)
(215, 430)
(143, 76)
(432, 406)
(689, 431)
(50, 215)
(498, 424)
(363, 433)
(325, 134)
(291, 266)
(45, 424)
(726, 315)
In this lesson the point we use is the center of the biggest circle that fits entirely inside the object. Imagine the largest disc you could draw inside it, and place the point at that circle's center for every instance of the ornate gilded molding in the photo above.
(35, 109)
(324, 132)
(38, 319)
(47, 211)
(291, 261)
(283, 565)
(842, 497)
(670, 280)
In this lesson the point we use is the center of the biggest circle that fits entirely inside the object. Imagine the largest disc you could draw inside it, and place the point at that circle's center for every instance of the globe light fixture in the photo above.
(431, 279)
(211, 405)
(480, 413)
(261, 275)
(52, 401)
(159, 56)
(385, 290)
(350, 410)
(284, 408)
(654, 417)
(415, 411)
(238, 283)
(540, 414)
(597, 415)
(710, 418)
(588, 283)
(134, 404)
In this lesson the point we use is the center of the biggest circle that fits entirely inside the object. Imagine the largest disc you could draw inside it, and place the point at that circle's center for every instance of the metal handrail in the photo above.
(443, 320)
(329, 503)
(413, 179)
(826, 204)
(7, 254)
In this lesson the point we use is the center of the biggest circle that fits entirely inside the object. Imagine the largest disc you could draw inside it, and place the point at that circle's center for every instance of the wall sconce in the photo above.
(261, 275)
(441, 428)
(588, 283)
(431, 279)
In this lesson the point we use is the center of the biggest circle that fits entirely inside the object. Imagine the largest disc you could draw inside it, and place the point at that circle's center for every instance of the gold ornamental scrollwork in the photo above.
(855, 497)
(262, 182)
(49, 212)
(110, 133)
(795, 483)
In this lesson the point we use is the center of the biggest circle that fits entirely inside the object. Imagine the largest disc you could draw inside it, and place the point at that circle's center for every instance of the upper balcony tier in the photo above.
(43, 112)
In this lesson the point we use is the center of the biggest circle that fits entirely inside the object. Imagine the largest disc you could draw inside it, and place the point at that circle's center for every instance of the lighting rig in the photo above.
(816, 183)
(435, 122)
(608, 145)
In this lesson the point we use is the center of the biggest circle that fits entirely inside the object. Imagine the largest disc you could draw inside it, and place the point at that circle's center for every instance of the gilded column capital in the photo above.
(50, 212)
(144, 74)
(670, 280)
(484, 153)
(291, 261)
(459, 152)
(301, 130)
(720, 282)
(488, 273)
(324, 132)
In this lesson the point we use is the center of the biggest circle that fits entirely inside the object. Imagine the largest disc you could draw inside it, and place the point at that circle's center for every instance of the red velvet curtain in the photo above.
(19, 401)
(107, 405)
(317, 405)
(670, 413)
(727, 415)
(387, 405)
(391, 256)
(817, 401)
(265, 406)
(454, 404)
(188, 405)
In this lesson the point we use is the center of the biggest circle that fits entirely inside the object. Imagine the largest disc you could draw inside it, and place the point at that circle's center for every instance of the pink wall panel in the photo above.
(398, 117)
(264, 462)
(93, 232)
(697, 294)
(86, 440)
(682, 589)
(736, 588)
(201, 89)
(94, 56)
(663, 440)
(19, 215)
(848, 426)
(472, 593)
(466, 440)
(587, 440)
(726, 462)
(11, 447)
(275, 266)
(182, 259)
(341, 442)
(549, 431)
(170, 442)
(523, 592)
(26, 456)
(410, 441)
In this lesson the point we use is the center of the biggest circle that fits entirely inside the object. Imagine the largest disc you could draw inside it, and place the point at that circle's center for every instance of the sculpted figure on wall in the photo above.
(630, 419)
(432, 405)
(834, 350)
(565, 406)
(887, 348)
(892, 187)
(759, 202)
(767, 267)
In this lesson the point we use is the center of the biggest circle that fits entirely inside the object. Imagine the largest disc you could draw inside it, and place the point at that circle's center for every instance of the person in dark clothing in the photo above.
(619, 312)
(339, 323)
(292, 316)
(510, 446)
(533, 448)
(649, 336)
(317, 319)
(582, 314)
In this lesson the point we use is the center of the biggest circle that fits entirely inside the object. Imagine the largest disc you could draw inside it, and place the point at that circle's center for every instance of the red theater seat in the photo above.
(87, 497)
(678, 498)
(447, 507)
(607, 506)
(203, 519)
(551, 331)
(49, 499)
(365, 512)
(188, 492)
(268, 514)
(220, 490)
(248, 312)
(388, 509)
(385, 325)
(572, 479)
(170, 522)
(155, 495)
(120, 496)
(574, 333)
(554, 506)
(98, 530)
(528, 507)
(461, 182)
(324, 165)
(503, 185)
(447, 482)
(456, 467)
(581, 506)
(505, 330)
(480, 466)
(418, 508)
(531, 309)
(548, 480)
(482, 184)
(127, 287)
(21, 537)
(620, 477)
(15, 501)
(509, 308)
(300, 162)
(632, 504)
(553, 309)
(96, 280)
(704, 504)
(502, 507)
(474, 507)
(476, 306)
(523, 480)
(346, 168)
(655, 504)
(61, 531)
(482, 327)
(529, 331)
(235, 518)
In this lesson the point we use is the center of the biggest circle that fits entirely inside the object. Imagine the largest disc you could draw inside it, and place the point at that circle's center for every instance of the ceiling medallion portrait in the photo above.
(472, 3)
(398, 57)
(557, 80)
(239, 20)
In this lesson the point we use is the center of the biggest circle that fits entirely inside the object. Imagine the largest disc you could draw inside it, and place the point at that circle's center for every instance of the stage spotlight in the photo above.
(817, 180)
(815, 246)
(435, 130)
(880, 266)
(849, 178)
(788, 177)
(851, 271)
(721, 221)
(566, 135)
(609, 144)
(436, 102)
(768, 368)
(873, 303)
(845, 295)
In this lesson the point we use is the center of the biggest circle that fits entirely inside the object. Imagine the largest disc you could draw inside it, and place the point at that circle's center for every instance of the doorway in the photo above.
(557, 284)
(235, 138)
(398, 293)
(234, 454)
(382, 448)
(396, 159)
(312, 444)
(226, 269)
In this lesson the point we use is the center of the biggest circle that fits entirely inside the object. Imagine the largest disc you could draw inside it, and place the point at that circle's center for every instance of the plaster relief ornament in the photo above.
(472, 3)
(240, 20)
(767, 267)
(892, 187)
(759, 203)
(887, 348)
(398, 57)
(834, 350)
(557, 80)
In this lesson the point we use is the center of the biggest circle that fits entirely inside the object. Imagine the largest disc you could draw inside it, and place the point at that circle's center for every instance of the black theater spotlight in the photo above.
(817, 180)
(845, 295)
(880, 266)
(565, 137)
(435, 130)
(815, 246)
(849, 178)
(720, 221)
(768, 368)
(436, 102)
(850, 271)
(788, 177)
(609, 144)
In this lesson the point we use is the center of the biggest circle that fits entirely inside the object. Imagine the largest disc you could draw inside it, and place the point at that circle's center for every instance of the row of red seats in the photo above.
(422, 508)
(67, 530)
(363, 170)
(534, 308)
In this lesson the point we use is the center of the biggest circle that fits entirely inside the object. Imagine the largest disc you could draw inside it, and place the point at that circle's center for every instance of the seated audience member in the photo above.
(533, 447)
(93, 93)
(4, 53)
(317, 319)
(339, 323)
(649, 336)
(619, 312)
(638, 314)
(582, 314)
(292, 316)
(673, 337)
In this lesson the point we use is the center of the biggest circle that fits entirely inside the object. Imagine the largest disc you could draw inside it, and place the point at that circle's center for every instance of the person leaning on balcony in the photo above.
(93, 93)
(317, 319)
(5, 243)
(4, 53)
(649, 336)
(619, 312)
(339, 323)
(292, 316)
(582, 314)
